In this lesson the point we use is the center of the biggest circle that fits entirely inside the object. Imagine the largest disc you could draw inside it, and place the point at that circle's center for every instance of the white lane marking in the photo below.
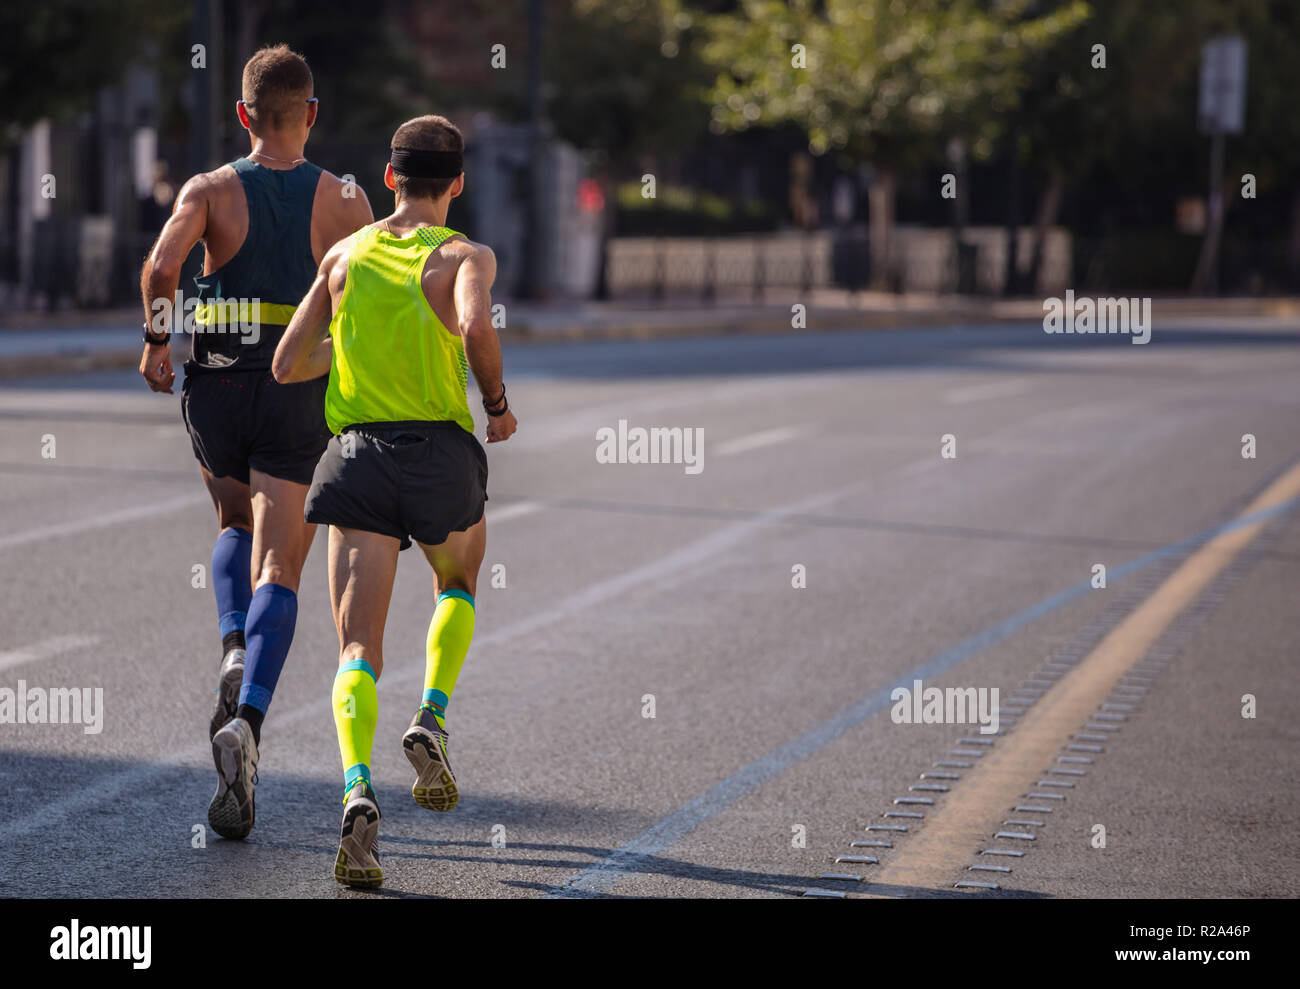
(141, 511)
(44, 649)
(693, 558)
(514, 511)
(989, 389)
(565, 427)
(753, 441)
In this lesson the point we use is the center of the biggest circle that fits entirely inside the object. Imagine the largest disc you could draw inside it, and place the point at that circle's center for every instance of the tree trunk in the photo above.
(880, 200)
(1048, 210)
(609, 190)
(1293, 247)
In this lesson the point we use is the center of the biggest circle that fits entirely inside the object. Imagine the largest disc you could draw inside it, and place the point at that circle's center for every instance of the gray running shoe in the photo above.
(232, 677)
(235, 754)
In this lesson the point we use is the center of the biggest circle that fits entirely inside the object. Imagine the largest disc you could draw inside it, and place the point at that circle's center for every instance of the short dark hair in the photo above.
(277, 85)
(427, 133)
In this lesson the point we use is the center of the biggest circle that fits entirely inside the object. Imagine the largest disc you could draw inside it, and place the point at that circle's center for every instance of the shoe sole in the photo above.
(355, 865)
(227, 699)
(435, 786)
(225, 813)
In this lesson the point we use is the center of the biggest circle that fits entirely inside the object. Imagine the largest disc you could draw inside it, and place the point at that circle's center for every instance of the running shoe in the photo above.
(235, 754)
(425, 743)
(357, 863)
(232, 676)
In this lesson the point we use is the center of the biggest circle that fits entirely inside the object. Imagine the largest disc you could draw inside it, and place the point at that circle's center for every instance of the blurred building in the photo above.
(71, 231)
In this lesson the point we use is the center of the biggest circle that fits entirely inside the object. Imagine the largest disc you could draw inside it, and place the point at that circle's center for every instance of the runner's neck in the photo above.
(275, 153)
(405, 219)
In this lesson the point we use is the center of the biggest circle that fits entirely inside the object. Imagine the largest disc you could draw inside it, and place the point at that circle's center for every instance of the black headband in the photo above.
(416, 163)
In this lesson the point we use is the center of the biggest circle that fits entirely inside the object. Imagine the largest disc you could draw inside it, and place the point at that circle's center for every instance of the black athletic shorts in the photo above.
(246, 419)
(409, 480)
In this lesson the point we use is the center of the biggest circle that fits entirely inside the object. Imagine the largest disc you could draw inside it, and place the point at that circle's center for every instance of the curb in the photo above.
(57, 361)
(774, 321)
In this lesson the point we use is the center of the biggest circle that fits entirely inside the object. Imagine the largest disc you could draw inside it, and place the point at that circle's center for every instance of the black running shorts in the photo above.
(245, 419)
(408, 480)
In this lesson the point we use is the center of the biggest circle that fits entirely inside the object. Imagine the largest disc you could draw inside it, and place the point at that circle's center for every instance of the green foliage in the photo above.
(883, 79)
(623, 77)
(682, 211)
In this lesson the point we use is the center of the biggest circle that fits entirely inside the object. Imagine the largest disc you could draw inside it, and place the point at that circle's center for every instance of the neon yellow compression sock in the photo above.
(450, 633)
(356, 711)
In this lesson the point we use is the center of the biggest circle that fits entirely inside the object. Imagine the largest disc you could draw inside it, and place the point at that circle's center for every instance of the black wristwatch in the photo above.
(148, 338)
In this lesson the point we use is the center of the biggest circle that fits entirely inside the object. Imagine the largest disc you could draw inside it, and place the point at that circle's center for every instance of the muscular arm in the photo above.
(162, 272)
(304, 350)
(472, 297)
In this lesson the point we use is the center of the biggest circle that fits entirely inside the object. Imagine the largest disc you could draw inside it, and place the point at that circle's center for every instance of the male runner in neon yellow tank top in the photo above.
(411, 306)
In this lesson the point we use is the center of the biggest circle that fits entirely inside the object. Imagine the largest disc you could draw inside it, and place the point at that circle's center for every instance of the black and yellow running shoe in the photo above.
(425, 744)
(357, 863)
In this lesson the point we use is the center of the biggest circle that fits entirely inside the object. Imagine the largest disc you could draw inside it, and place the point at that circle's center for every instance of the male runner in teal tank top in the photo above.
(265, 221)
(411, 303)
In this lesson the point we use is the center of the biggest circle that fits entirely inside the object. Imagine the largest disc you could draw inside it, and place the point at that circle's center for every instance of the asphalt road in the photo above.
(821, 451)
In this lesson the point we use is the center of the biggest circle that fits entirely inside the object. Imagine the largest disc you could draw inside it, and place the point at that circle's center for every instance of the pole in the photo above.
(534, 276)
(1206, 278)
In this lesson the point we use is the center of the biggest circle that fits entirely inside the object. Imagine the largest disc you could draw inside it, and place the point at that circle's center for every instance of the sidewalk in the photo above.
(45, 343)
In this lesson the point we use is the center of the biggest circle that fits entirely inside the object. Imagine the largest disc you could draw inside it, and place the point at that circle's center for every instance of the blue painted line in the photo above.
(602, 875)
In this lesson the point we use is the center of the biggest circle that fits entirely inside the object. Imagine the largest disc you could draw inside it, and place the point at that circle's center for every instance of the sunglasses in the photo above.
(243, 104)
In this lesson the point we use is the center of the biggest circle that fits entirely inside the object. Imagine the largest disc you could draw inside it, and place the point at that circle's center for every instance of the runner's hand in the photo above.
(156, 367)
(501, 427)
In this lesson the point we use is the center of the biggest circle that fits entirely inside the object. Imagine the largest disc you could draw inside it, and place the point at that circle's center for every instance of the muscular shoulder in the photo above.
(464, 251)
(334, 266)
(344, 198)
(207, 185)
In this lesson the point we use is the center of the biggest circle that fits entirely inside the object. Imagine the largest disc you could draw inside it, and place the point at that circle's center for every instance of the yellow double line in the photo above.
(935, 857)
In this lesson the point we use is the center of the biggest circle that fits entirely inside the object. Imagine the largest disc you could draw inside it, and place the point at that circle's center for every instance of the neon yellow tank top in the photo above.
(393, 360)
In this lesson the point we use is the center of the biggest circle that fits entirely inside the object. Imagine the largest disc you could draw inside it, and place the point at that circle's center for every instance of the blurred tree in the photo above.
(55, 54)
(1270, 147)
(878, 80)
(623, 82)
(1124, 138)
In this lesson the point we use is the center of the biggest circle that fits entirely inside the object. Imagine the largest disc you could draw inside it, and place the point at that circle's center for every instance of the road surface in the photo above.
(632, 589)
